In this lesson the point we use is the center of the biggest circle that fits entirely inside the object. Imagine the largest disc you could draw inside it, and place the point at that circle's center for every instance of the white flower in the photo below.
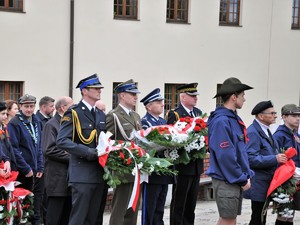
(140, 165)
(151, 169)
(133, 172)
(174, 154)
(147, 155)
(1, 208)
(202, 144)
(166, 154)
(157, 163)
(279, 200)
(202, 138)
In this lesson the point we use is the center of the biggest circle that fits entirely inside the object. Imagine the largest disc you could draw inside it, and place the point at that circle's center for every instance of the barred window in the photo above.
(171, 96)
(295, 16)
(11, 90)
(229, 12)
(11, 5)
(125, 9)
(177, 11)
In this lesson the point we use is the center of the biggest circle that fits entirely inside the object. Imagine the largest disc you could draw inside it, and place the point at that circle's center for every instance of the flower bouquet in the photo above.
(16, 204)
(122, 157)
(186, 140)
(283, 187)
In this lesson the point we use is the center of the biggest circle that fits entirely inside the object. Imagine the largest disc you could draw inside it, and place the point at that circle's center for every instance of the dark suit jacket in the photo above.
(81, 168)
(128, 123)
(262, 160)
(56, 160)
(193, 167)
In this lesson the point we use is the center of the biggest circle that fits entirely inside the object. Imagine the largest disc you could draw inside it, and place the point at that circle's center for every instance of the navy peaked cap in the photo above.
(260, 107)
(127, 86)
(152, 96)
(190, 89)
(90, 81)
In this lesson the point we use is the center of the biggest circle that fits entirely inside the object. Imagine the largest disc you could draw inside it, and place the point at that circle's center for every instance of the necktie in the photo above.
(93, 113)
(191, 113)
(270, 137)
(244, 130)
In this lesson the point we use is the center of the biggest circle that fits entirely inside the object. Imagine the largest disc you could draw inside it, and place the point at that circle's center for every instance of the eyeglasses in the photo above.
(271, 113)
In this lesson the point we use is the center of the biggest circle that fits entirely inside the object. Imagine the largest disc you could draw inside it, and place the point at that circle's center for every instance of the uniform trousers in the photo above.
(58, 210)
(184, 200)
(256, 216)
(86, 203)
(154, 199)
(120, 215)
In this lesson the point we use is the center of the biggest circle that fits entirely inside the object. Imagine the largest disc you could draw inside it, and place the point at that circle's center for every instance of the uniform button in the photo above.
(90, 125)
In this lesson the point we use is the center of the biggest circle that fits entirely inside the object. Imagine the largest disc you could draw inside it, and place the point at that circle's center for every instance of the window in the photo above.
(171, 96)
(219, 101)
(229, 12)
(125, 9)
(295, 17)
(11, 5)
(177, 11)
(10, 90)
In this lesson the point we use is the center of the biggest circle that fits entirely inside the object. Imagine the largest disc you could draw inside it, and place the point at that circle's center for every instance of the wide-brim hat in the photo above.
(127, 86)
(90, 82)
(152, 96)
(230, 86)
(190, 89)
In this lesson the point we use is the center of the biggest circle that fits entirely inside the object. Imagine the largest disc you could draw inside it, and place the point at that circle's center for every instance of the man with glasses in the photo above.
(263, 156)
(287, 136)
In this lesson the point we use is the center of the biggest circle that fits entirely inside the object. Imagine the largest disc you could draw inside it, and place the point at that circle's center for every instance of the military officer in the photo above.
(185, 191)
(155, 191)
(78, 135)
(121, 121)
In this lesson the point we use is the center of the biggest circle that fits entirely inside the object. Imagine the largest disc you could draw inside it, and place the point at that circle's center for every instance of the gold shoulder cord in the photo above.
(77, 125)
(175, 113)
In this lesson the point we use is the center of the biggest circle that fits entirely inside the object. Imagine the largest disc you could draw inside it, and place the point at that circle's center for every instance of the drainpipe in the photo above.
(71, 63)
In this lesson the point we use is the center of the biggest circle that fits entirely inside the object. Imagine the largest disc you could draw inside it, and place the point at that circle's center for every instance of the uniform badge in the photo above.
(65, 118)
(224, 144)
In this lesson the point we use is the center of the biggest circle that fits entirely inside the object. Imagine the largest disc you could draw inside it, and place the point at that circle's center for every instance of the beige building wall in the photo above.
(263, 52)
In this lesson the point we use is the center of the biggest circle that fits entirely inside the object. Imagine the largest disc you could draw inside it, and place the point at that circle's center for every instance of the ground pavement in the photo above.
(207, 214)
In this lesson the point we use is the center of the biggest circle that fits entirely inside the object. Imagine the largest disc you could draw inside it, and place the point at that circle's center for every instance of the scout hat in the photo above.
(261, 106)
(127, 86)
(152, 96)
(190, 89)
(231, 86)
(3, 106)
(290, 109)
(27, 99)
(91, 81)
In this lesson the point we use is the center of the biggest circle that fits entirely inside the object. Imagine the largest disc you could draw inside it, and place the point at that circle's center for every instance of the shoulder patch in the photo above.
(65, 118)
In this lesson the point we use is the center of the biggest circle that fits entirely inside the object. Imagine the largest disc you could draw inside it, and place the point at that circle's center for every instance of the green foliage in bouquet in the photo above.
(27, 207)
(5, 214)
(120, 164)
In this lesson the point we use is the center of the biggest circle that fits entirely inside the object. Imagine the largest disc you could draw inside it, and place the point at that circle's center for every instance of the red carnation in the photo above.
(122, 155)
(197, 128)
(129, 160)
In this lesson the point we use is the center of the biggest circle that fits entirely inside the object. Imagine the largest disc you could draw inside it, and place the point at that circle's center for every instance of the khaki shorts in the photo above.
(229, 198)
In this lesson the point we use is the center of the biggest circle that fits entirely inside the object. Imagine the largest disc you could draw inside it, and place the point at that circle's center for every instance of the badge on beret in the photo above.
(65, 118)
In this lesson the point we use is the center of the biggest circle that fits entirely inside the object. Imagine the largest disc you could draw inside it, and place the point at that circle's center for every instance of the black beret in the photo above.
(3, 106)
(260, 107)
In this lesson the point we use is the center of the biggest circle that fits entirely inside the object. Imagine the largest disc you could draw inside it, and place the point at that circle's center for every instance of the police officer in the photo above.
(78, 135)
(185, 191)
(155, 191)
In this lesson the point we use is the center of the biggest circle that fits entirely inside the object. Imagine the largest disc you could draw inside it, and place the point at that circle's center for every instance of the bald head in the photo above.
(63, 103)
(100, 105)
